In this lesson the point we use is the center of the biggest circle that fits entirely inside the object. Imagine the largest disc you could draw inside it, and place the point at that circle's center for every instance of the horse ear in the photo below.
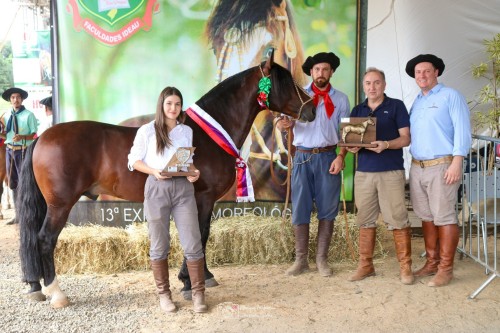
(269, 63)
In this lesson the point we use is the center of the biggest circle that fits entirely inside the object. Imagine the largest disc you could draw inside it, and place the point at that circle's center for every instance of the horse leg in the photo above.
(47, 239)
(1, 206)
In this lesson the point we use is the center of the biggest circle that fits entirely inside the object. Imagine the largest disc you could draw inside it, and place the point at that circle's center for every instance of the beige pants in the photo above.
(432, 199)
(172, 197)
(381, 192)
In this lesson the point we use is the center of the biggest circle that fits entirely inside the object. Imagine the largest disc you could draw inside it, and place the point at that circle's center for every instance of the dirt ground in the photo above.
(262, 299)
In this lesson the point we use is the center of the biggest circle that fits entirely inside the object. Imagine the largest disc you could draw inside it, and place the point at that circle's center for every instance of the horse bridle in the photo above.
(297, 87)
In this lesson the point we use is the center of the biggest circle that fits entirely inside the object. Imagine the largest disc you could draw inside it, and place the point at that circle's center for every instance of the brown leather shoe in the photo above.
(160, 274)
(448, 242)
(366, 248)
(197, 277)
(431, 240)
(301, 263)
(325, 232)
(402, 241)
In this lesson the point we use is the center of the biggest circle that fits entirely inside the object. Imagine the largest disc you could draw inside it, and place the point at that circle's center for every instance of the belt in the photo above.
(436, 161)
(317, 150)
(15, 147)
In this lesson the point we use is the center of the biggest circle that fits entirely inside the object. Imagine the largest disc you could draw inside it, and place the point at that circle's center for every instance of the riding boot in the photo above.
(448, 242)
(402, 241)
(160, 274)
(366, 248)
(13, 220)
(431, 240)
(301, 263)
(325, 232)
(197, 276)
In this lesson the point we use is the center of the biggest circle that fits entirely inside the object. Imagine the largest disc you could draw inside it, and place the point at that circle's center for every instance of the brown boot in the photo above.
(448, 242)
(301, 263)
(402, 241)
(366, 248)
(431, 240)
(325, 232)
(160, 274)
(197, 276)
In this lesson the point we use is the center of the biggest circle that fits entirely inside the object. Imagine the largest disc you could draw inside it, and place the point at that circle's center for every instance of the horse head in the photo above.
(286, 96)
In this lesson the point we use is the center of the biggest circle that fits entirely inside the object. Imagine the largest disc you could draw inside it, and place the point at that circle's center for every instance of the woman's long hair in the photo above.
(161, 129)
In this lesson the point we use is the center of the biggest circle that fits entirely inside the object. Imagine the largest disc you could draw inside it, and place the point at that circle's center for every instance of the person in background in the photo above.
(316, 165)
(154, 145)
(379, 181)
(441, 137)
(48, 121)
(20, 127)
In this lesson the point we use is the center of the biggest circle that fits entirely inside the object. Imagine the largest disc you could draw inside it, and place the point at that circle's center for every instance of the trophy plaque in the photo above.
(358, 132)
(179, 162)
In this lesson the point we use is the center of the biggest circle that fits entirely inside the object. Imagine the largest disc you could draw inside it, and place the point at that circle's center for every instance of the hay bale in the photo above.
(234, 240)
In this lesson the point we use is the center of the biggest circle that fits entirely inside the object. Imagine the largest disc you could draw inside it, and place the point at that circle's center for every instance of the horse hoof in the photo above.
(59, 303)
(187, 295)
(211, 283)
(36, 296)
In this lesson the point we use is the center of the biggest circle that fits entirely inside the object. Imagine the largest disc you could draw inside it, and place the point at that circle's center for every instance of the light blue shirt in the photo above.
(439, 124)
(322, 131)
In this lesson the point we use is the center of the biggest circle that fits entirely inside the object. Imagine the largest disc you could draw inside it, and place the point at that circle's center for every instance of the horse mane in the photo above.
(245, 15)
(232, 83)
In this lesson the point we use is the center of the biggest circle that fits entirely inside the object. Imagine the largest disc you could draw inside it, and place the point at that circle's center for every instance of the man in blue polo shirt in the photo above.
(20, 128)
(379, 182)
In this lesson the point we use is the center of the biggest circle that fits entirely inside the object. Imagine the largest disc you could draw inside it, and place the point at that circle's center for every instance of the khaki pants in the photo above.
(381, 192)
(172, 197)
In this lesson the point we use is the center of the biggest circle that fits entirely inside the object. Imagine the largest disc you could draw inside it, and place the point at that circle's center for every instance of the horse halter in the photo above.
(297, 87)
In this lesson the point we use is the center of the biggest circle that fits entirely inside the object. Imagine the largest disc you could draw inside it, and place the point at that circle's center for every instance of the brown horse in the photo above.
(90, 158)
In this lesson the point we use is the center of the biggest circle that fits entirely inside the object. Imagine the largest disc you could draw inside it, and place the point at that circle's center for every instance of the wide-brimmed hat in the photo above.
(328, 57)
(6, 94)
(47, 101)
(435, 61)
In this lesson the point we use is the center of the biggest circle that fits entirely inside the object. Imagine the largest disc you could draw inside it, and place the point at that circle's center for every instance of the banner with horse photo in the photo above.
(114, 57)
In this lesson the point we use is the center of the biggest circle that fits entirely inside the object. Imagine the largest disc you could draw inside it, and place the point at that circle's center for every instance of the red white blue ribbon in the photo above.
(244, 189)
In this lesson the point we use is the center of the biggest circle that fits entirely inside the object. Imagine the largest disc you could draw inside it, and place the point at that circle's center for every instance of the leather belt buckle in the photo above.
(315, 150)
(422, 164)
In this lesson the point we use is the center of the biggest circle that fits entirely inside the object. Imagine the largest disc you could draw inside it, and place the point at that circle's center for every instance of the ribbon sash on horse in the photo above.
(244, 190)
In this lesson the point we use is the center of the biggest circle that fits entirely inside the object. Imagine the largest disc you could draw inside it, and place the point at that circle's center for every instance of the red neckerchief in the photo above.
(326, 97)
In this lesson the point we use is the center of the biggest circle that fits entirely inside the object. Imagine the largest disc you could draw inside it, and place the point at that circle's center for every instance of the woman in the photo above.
(154, 146)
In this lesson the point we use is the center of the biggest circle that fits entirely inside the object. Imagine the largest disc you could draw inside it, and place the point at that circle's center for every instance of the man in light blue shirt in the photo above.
(316, 164)
(440, 139)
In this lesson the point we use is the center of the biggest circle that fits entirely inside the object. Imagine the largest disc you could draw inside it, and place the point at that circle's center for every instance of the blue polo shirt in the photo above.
(391, 116)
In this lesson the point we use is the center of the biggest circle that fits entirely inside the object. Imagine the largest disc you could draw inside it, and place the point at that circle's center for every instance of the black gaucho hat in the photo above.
(6, 94)
(47, 101)
(435, 61)
(328, 57)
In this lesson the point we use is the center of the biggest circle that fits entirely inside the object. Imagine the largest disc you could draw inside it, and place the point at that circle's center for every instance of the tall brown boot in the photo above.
(301, 263)
(431, 240)
(160, 274)
(448, 242)
(325, 232)
(197, 276)
(366, 248)
(402, 241)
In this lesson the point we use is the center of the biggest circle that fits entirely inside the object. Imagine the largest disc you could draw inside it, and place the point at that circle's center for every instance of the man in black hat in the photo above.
(20, 127)
(440, 138)
(315, 174)
(48, 121)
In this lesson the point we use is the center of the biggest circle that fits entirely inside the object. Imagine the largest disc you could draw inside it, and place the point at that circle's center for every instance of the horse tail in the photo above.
(31, 209)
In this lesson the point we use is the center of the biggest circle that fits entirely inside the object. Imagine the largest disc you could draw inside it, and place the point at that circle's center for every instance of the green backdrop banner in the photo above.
(115, 56)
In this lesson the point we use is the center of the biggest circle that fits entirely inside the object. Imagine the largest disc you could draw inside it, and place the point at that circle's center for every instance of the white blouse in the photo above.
(144, 147)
